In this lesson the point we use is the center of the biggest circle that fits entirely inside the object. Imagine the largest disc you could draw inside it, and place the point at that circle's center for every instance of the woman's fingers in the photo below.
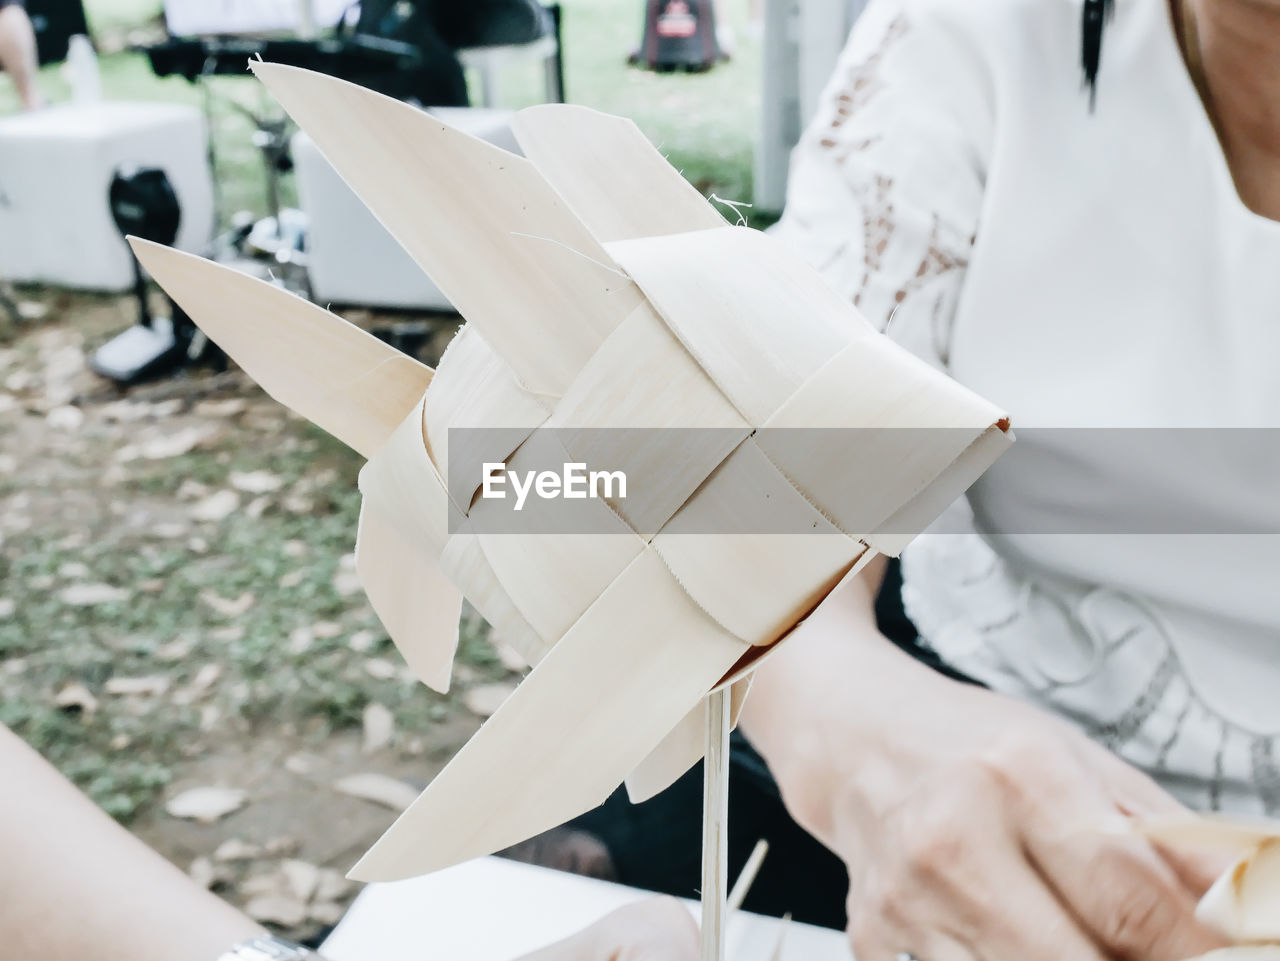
(955, 881)
(1197, 868)
(1030, 923)
(1125, 896)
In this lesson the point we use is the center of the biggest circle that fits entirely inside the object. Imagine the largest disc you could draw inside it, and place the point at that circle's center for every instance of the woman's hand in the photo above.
(660, 929)
(974, 827)
(983, 829)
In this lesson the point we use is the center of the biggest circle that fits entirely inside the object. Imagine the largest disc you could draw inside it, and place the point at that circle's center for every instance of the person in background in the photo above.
(18, 52)
(74, 885)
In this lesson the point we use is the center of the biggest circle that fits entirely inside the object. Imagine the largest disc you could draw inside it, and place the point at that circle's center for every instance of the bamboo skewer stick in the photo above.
(747, 877)
(715, 826)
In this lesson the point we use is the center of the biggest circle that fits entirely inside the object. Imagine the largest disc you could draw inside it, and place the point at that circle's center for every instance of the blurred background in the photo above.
(181, 628)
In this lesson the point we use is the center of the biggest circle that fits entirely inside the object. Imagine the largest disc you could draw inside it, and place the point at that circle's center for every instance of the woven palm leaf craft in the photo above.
(602, 296)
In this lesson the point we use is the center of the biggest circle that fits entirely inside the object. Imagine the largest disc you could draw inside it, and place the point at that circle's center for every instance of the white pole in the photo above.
(715, 827)
(306, 20)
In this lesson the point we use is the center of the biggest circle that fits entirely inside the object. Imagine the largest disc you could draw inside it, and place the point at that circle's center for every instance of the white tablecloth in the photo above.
(496, 910)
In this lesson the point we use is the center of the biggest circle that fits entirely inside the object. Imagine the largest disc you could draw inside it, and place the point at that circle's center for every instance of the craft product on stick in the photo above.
(603, 297)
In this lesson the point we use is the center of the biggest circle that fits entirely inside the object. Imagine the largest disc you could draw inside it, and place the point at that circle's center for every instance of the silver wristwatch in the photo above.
(269, 948)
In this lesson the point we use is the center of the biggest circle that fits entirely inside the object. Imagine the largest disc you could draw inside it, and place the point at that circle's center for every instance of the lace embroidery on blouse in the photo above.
(943, 253)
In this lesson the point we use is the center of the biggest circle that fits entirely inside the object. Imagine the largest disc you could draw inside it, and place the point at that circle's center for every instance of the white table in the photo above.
(496, 910)
(56, 166)
(351, 258)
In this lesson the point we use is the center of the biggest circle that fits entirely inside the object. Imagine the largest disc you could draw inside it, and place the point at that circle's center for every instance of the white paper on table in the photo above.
(492, 909)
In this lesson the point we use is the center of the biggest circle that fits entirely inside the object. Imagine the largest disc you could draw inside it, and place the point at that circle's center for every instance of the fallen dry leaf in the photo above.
(206, 677)
(303, 763)
(346, 581)
(174, 443)
(210, 716)
(234, 849)
(228, 607)
(484, 700)
(192, 490)
(297, 504)
(380, 668)
(149, 686)
(276, 909)
(377, 788)
(333, 886)
(379, 726)
(256, 482)
(90, 595)
(303, 878)
(282, 846)
(125, 411)
(216, 507)
(265, 883)
(362, 641)
(202, 873)
(175, 650)
(65, 417)
(76, 697)
(206, 804)
(326, 912)
(32, 310)
(291, 579)
(300, 640)
(220, 408)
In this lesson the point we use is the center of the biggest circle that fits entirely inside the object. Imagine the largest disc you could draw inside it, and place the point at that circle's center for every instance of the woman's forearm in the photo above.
(76, 885)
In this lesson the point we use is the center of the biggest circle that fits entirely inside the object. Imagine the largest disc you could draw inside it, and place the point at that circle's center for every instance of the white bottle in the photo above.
(82, 71)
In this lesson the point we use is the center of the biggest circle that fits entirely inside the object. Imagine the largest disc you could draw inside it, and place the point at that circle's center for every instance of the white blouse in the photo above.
(1097, 275)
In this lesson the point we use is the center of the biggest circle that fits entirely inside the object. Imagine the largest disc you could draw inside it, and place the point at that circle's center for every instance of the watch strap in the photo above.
(269, 948)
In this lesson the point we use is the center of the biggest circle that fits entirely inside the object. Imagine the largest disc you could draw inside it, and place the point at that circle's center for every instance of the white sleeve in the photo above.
(886, 185)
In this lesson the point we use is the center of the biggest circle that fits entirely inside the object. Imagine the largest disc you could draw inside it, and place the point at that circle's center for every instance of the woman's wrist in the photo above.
(828, 716)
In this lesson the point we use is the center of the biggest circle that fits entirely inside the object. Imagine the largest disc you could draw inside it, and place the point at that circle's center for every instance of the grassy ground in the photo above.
(177, 602)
